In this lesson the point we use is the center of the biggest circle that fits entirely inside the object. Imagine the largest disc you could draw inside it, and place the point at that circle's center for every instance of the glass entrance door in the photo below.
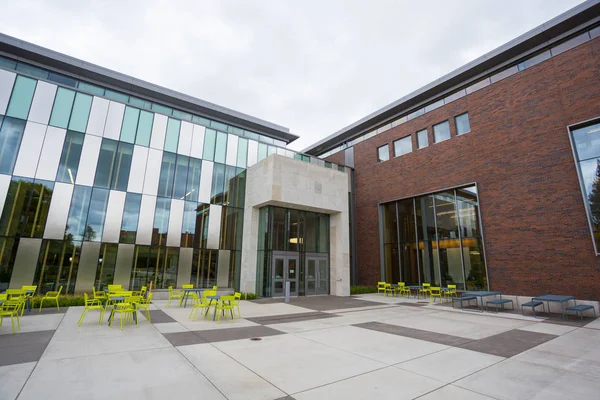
(317, 275)
(285, 268)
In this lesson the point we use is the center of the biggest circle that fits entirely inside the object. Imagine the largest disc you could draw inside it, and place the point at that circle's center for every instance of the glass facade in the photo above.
(435, 239)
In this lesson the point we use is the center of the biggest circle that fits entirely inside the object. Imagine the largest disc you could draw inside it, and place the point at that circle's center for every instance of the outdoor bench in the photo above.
(463, 298)
(498, 302)
(533, 304)
(580, 308)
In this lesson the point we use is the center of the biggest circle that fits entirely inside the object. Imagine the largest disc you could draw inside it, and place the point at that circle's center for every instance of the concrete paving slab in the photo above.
(550, 329)
(170, 327)
(508, 344)
(295, 364)
(595, 324)
(582, 344)
(450, 364)
(590, 368)
(378, 346)
(12, 379)
(451, 392)
(387, 383)
(32, 323)
(238, 383)
(144, 374)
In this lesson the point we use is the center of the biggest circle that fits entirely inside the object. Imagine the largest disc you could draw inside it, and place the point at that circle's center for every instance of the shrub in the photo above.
(249, 296)
(362, 289)
(63, 301)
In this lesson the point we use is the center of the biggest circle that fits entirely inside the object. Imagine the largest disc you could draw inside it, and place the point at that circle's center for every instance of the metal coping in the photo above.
(37, 55)
(530, 42)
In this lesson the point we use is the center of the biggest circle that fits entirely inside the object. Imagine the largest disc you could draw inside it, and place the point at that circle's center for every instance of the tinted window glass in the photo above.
(131, 213)
(217, 184)
(221, 147)
(106, 161)
(93, 89)
(462, 124)
(76, 227)
(422, 139)
(188, 227)
(81, 112)
(181, 172)
(69, 159)
(96, 215)
(172, 137)
(210, 137)
(20, 99)
(242, 153)
(61, 111)
(130, 123)
(383, 153)
(441, 132)
(193, 179)
(167, 173)
(144, 128)
(587, 142)
(11, 134)
(262, 151)
(161, 221)
(122, 167)
(116, 96)
(33, 71)
(403, 146)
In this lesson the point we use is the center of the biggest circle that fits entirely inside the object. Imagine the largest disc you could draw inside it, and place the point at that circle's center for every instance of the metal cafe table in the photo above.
(216, 299)
(121, 299)
(416, 288)
(480, 296)
(556, 299)
(186, 294)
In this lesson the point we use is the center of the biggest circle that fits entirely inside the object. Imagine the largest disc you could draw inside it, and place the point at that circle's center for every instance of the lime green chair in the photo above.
(91, 304)
(425, 289)
(199, 304)
(98, 295)
(141, 292)
(11, 308)
(187, 286)
(236, 303)
(144, 304)
(381, 287)
(389, 289)
(15, 293)
(223, 305)
(403, 289)
(51, 295)
(451, 291)
(174, 294)
(115, 288)
(435, 292)
(125, 310)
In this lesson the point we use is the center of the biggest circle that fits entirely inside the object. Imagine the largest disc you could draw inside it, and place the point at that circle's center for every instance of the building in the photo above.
(486, 178)
(489, 176)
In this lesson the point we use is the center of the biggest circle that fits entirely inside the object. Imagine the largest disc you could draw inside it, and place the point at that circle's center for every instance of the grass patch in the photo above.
(358, 289)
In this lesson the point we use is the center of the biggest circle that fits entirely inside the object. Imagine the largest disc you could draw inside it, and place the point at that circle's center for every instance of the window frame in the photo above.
(398, 140)
(419, 147)
(456, 124)
(387, 145)
(447, 121)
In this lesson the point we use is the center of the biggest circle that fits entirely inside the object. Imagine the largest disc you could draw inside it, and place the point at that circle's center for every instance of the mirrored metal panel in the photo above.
(4, 184)
(29, 152)
(159, 130)
(114, 215)
(7, 80)
(25, 262)
(232, 145)
(185, 138)
(59, 211)
(184, 269)
(223, 269)
(123, 265)
(88, 262)
(175, 222)
(50, 154)
(41, 106)
(214, 227)
(138, 169)
(112, 128)
(88, 160)
(146, 220)
(205, 182)
(197, 141)
(152, 176)
(97, 118)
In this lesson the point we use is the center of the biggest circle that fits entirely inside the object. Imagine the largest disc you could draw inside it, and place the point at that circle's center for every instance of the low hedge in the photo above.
(63, 301)
(362, 289)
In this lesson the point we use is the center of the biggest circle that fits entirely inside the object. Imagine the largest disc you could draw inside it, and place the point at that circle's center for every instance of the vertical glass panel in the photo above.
(193, 179)
(69, 159)
(271, 150)
(220, 147)
(383, 153)
(472, 243)
(172, 137)
(217, 184)
(293, 231)
(448, 238)
(37, 212)
(587, 141)
(167, 174)
(14, 213)
(122, 167)
(107, 260)
(181, 173)
(144, 128)
(323, 233)
(58, 264)
(462, 124)
(390, 243)
(116, 96)
(166, 271)
(106, 163)
(188, 228)
(61, 111)
(278, 216)
(130, 124)
(96, 215)
(11, 134)
(8, 253)
(310, 232)
(242, 153)
(407, 242)
(139, 272)
(93, 89)
(238, 198)
(403, 146)
(441, 132)
(204, 268)
(131, 213)
(229, 185)
(31, 70)
(161, 221)
(231, 221)
(20, 99)
(76, 228)
(426, 234)
(422, 139)
(262, 151)
(210, 139)
(81, 112)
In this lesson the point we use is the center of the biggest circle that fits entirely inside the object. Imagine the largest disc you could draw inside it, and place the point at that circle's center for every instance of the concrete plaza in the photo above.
(360, 347)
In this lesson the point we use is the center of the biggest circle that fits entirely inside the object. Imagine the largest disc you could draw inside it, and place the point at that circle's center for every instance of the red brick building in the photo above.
(528, 229)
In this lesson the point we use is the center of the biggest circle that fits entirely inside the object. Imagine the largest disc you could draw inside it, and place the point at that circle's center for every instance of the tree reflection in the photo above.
(594, 197)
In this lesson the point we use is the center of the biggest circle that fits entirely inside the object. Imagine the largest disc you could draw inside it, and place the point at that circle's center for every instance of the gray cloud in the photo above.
(313, 66)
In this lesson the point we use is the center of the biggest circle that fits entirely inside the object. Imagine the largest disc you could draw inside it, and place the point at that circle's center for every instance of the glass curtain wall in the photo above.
(435, 239)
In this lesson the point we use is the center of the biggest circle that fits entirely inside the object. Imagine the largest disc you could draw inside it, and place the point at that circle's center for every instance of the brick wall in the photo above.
(518, 151)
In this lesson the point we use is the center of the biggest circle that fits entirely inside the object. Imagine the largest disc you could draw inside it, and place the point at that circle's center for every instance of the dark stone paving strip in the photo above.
(159, 317)
(323, 303)
(286, 398)
(183, 338)
(281, 319)
(434, 337)
(222, 335)
(23, 347)
(508, 344)
(412, 304)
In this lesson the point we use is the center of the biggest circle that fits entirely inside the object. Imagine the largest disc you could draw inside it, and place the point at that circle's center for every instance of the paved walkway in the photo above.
(365, 347)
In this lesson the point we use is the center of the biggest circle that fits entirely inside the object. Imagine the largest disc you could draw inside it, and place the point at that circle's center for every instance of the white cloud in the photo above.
(313, 66)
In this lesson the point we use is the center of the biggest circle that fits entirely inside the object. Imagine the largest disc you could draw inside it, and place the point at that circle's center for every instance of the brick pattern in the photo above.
(518, 151)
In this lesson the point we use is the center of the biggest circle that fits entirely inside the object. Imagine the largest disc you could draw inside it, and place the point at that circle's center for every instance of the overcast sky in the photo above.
(312, 66)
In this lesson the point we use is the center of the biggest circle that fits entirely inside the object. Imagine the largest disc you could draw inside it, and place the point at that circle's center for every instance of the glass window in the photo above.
(221, 147)
(20, 99)
(131, 214)
(15, 206)
(231, 234)
(116, 96)
(161, 221)
(199, 120)
(266, 139)
(107, 260)
(422, 140)
(341, 168)
(188, 228)
(63, 104)
(328, 164)
(217, 184)
(383, 153)
(181, 173)
(172, 137)
(204, 268)
(242, 153)
(33, 71)
(130, 123)
(182, 115)
(193, 179)
(76, 228)
(218, 125)
(134, 101)
(81, 112)
(449, 246)
(161, 109)
(144, 128)
(210, 138)
(7, 256)
(38, 207)
(106, 162)
(57, 266)
(227, 184)
(262, 151)
(96, 215)
(69, 159)
(11, 134)
(441, 132)
(93, 89)
(61, 79)
(403, 146)
(167, 173)
(271, 150)
(122, 167)
(7, 64)
(587, 142)
(462, 123)
(251, 135)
